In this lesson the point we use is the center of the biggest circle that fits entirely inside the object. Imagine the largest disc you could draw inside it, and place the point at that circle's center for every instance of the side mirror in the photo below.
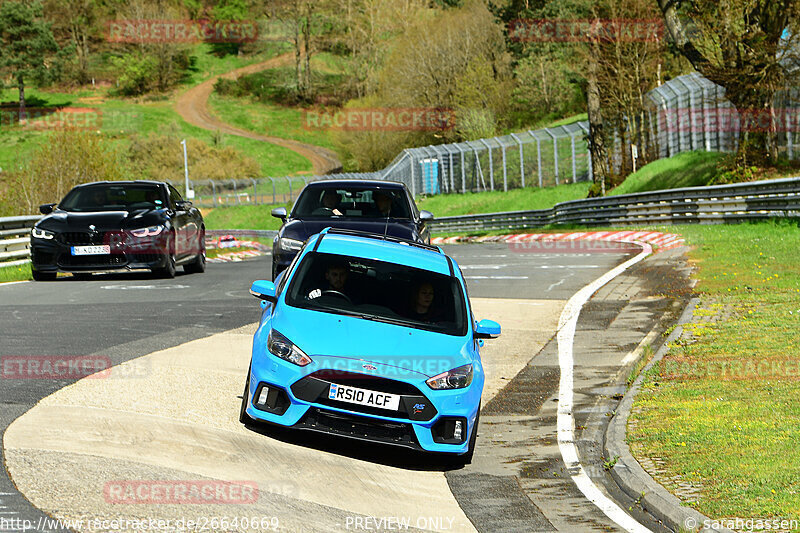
(183, 204)
(46, 209)
(264, 290)
(487, 329)
(425, 216)
(279, 212)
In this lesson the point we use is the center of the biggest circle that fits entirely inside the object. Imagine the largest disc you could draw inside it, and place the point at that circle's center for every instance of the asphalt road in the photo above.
(122, 317)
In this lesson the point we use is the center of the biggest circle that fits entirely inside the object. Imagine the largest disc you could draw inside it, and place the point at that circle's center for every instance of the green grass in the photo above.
(15, 273)
(689, 169)
(122, 117)
(242, 217)
(443, 205)
(733, 432)
(268, 119)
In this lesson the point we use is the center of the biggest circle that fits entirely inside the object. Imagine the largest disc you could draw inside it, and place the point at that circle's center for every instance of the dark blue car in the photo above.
(381, 207)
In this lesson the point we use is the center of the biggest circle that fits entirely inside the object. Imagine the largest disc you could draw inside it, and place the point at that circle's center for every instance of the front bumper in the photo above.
(297, 398)
(56, 256)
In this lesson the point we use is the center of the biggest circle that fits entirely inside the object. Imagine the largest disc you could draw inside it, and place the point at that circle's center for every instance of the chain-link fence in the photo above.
(534, 158)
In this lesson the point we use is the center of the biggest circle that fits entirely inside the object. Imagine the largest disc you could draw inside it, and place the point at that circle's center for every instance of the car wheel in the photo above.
(43, 276)
(168, 271)
(244, 418)
(198, 266)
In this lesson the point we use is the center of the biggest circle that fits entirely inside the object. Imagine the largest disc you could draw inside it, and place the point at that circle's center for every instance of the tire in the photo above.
(168, 271)
(244, 418)
(198, 266)
(43, 276)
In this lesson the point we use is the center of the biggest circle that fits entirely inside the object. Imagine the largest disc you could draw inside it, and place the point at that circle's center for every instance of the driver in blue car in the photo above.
(336, 278)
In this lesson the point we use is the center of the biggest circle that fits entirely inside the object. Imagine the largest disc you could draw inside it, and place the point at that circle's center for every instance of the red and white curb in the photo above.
(660, 241)
(235, 256)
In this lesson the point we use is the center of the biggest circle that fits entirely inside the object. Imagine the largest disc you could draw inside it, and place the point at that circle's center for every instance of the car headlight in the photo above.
(38, 233)
(290, 245)
(152, 231)
(280, 346)
(457, 378)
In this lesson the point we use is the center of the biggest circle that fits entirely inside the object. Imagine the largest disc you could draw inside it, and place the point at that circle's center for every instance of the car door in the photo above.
(180, 223)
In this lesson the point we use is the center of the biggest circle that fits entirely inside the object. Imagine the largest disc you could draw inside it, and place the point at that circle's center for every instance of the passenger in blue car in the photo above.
(423, 308)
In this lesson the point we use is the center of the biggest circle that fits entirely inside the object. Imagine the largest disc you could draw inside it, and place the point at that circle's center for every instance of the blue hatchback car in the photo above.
(373, 338)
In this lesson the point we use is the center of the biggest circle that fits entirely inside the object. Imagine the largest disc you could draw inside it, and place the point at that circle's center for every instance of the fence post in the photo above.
(289, 180)
(491, 164)
(413, 181)
(521, 161)
(255, 191)
(555, 152)
(235, 194)
(505, 167)
(574, 167)
(213, 193)
(588, 149)
(463, 171)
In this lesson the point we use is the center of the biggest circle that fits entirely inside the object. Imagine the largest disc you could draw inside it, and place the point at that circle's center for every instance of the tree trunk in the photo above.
(597, 146)
(21, 85)
(307, 46)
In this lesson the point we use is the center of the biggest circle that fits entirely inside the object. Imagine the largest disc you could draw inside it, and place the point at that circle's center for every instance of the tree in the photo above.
(76, 21)
(737, 44)
(28, 50)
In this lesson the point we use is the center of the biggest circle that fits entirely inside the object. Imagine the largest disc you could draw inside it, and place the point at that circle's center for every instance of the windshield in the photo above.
(380, 291)
(113, 197)
(322, 202)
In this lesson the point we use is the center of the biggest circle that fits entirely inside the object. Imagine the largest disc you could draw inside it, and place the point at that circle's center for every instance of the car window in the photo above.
(351, 202)
(174, 197)
(379, 290)
(286, 275)
(112, 197)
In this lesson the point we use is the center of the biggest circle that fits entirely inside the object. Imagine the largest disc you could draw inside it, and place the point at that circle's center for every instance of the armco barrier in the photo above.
(718, 204)
(15, 239)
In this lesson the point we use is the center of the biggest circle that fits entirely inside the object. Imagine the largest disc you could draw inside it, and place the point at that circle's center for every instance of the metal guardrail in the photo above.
(716, 204)
(15, 239)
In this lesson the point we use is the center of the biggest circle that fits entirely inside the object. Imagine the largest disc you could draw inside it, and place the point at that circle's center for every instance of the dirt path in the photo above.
(193, 107)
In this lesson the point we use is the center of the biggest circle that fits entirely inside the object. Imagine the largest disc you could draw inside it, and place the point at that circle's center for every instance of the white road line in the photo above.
(7, 283)
(496, 277)
(566, 422)
(550, 288)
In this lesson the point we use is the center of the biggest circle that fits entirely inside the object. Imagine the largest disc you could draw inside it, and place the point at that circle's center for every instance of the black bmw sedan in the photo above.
(382, 207)
(112, 225)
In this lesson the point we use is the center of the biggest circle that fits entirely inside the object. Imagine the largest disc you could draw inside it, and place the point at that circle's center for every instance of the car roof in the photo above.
(121, 182)
(378, 184)
(366, 246)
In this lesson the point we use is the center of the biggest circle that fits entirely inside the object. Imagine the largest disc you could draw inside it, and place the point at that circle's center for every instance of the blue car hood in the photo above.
(348, 343)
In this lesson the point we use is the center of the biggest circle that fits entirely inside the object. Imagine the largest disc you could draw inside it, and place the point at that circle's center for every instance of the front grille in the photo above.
(113, 260)
(41, 257)
(81, 238)
(366, 381)
(413, 404)
(359, 427)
